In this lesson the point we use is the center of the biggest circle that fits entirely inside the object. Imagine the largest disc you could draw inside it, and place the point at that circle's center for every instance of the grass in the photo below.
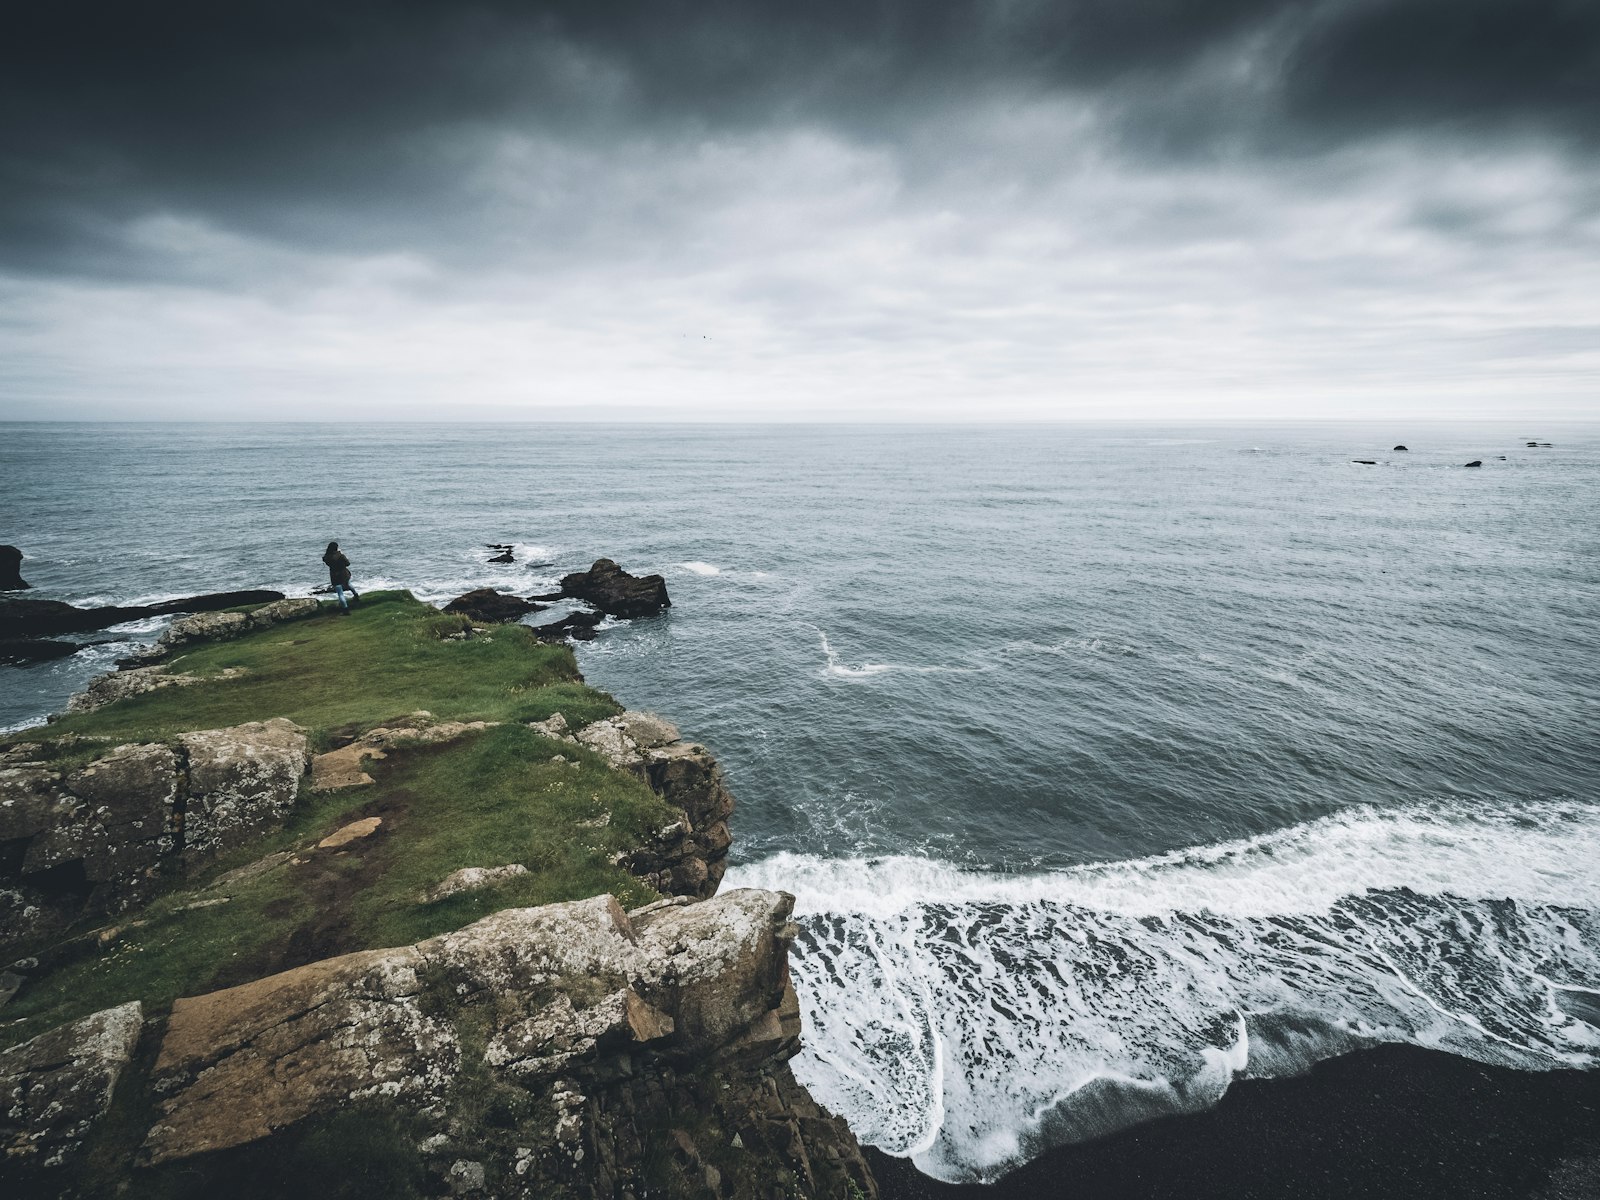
(387, 658)
(489, 799)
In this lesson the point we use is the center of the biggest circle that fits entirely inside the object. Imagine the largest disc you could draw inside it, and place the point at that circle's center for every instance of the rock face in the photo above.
(486, 604)
(687, 857)
(41, 618)
(603, 1030)
(54, 1088)
(11, 579)
(98, 839)
(616, 593)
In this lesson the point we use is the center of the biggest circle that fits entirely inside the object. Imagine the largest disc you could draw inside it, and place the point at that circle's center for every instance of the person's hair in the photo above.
(332, 546)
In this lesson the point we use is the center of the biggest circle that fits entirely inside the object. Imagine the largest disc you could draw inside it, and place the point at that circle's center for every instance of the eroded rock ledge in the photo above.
(622, 1055)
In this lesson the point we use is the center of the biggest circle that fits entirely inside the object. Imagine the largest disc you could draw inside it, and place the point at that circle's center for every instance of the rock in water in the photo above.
(614, 592)
(11, 579)
(41, 618)
(1365, 462)
(505, 552)
(1477, 462)
(486, 604)
(19, 651)
(578, 626)
(1399, 447)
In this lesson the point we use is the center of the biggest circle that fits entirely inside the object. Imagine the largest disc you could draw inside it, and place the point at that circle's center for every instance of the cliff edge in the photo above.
(393, 905)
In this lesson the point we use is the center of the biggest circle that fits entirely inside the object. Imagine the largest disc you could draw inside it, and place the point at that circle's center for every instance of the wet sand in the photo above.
(1396, 1122)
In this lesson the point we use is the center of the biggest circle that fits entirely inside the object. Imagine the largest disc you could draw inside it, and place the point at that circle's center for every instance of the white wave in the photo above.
(838, 669)
(701, 568)
(969, 1020)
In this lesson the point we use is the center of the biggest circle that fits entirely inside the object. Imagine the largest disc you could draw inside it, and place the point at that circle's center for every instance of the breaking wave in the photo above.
(971, 1020)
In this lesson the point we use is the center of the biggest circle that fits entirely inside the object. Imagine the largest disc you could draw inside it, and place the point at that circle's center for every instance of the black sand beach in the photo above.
(1392, 1123)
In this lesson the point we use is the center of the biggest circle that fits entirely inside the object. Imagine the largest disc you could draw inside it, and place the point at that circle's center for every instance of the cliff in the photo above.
(391, 905)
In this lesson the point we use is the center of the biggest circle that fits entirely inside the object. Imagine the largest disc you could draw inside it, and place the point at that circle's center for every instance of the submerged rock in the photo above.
(579, 626)
(1366, 462)
(11, 579)
(486, 604)
(615, 592)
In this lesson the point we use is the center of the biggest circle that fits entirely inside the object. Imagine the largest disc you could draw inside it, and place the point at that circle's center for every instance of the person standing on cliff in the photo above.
(339, 574)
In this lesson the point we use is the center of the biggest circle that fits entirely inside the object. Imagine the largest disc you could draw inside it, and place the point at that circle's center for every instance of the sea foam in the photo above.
(970, 1020)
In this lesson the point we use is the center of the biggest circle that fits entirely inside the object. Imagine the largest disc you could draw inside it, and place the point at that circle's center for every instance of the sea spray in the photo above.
(969, 1020)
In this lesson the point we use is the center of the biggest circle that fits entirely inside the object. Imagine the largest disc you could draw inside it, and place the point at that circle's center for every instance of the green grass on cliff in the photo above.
(489, 799)
(387, 658)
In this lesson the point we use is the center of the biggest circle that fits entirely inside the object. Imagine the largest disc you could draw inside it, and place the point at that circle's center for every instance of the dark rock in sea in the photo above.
(19, 651)
(578, 626)
(503, 557)
(1477, 462)
(1501, 457)
(1532, 445)
(11, 579)
(614, 592)
(505, 549)
(41, 618)
(486, 604)
(1400, 447)
(1365, 462)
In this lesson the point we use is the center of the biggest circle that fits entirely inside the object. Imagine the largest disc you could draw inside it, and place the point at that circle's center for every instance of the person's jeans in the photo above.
(339, 588)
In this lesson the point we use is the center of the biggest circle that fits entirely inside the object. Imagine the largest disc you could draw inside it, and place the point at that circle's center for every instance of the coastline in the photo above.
(1393, 1122)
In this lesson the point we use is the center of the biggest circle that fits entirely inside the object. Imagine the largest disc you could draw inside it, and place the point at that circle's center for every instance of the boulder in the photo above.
(42, 618)
(1399, 447)
(56, 1086)
(11, 579)
(486, 604)
(1477, 462)
(504, 552)
(615, 592)
(353, 832)
(242, 783)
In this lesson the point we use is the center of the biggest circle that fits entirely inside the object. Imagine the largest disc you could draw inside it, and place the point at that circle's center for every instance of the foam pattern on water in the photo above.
(970, 1020)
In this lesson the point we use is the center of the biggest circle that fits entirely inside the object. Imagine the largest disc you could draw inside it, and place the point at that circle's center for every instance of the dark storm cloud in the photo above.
(353, 123)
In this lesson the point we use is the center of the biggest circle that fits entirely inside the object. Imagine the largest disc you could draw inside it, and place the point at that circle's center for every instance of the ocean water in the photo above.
(1106, 764)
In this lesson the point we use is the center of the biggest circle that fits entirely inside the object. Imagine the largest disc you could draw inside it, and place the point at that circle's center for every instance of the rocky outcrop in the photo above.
(612, 1044)
(344, 767)
(615, 592)
(55, 1087)
(503, 552)
(688, 856)
(42, 618)
(11, 579)
(121, 685)
(470, 879)
(220, 626)
(492, 607)
(1477, 462)
(98, 839)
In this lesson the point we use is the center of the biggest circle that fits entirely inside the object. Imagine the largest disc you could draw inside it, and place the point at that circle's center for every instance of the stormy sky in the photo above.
(836, 209)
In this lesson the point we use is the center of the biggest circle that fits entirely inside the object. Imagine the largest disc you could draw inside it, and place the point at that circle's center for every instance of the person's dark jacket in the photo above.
(338, 566)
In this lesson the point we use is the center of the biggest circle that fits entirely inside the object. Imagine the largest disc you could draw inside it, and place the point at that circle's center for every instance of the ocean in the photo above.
(1108, 765)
